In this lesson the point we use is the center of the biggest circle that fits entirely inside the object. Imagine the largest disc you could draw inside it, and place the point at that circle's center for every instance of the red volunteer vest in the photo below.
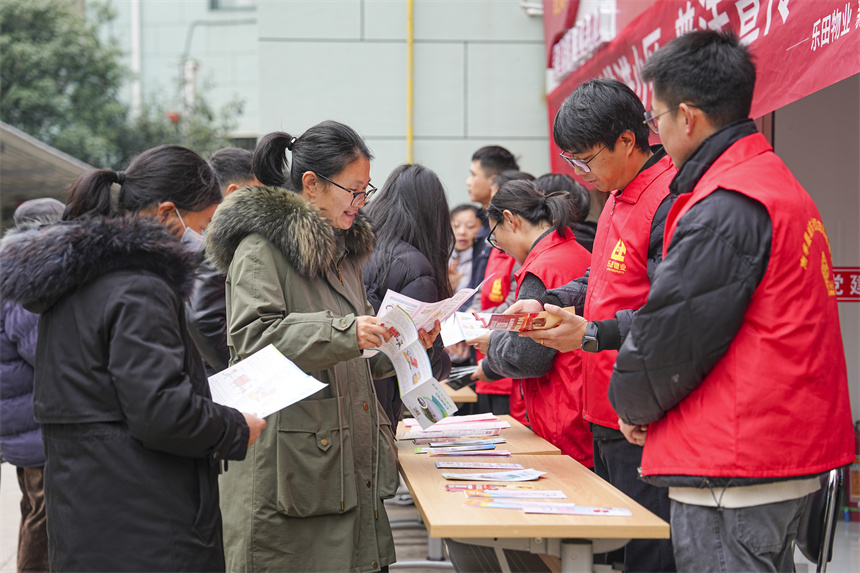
(618, 279)
(554, 401)
(493, 293)
(776, 404)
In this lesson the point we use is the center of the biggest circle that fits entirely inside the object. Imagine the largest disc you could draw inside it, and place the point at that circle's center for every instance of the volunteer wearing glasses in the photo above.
(604, 139)
(310, 496)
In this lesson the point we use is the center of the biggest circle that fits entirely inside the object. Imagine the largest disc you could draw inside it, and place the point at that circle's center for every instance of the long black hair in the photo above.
(579, 196)
(163, 173)
(529, 201)
(412, 207)
(325, 149)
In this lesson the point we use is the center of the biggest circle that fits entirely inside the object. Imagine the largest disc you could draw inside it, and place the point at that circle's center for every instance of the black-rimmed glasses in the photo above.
(356, 195)
(651, 119)
(579, 163)
(491, 239)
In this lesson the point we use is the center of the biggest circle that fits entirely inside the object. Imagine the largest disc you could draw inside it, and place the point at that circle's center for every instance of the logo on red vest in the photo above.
(496, 292)
(615, 264)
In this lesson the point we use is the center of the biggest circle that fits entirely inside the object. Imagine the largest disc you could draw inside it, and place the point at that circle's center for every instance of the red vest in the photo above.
(554, 401)
(618, 279)
(776, 404)
(493, 293)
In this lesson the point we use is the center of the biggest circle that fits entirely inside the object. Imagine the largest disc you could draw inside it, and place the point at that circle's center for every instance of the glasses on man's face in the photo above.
(651, 119)
(579, 163)
(491, 239)
(356, 195)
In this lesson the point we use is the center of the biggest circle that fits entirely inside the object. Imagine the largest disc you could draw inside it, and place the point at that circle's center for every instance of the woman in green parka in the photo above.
(308, 496)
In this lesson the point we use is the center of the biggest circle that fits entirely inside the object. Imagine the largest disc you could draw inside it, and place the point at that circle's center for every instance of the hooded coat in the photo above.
(308, 496)
(132, 439)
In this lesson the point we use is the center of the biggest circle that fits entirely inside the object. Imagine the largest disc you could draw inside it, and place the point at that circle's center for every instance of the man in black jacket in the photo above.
(733, 374)
(206, 309)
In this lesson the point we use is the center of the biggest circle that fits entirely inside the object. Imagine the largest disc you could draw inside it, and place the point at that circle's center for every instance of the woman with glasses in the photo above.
(413, 242)
(533, 227)
(309, 495)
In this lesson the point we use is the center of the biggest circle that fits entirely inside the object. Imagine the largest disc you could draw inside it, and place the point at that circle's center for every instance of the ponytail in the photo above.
(90, 195)
(527, 200)
(270, 158)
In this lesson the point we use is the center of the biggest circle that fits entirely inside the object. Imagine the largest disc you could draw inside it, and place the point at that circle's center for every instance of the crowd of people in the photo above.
(675, 374)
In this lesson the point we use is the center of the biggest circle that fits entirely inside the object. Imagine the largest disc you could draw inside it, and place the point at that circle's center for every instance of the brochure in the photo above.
(472, 448)
(478, 466)
(425, 314)
(262, 384)
(520, 322)
(455, 442)
(529, 474)
(498, 503)
(434, 434)
(485, 486)
(421, 393)
(463, 326)
(571, 509)
(499, 453)
(521, 494)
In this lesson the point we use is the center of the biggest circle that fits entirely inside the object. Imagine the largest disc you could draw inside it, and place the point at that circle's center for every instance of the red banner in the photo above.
(847, 282)
(558, 18)
(799, 48)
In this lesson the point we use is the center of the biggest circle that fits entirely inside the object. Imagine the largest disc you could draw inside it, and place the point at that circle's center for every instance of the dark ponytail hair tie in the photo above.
(291, 143)
(120, 178)
(543, 202)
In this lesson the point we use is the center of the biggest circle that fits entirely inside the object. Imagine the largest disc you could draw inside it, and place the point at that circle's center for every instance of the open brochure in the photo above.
(425, 314)
(519, 322)
(421, 393)
(462, 326)
(262, 384)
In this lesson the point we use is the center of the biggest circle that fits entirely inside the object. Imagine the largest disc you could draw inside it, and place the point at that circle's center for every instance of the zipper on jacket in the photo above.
(337, 268)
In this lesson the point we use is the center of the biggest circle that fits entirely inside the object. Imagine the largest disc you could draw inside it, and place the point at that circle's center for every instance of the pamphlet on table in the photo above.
(478, 466)
(529, 474)
(262, 384)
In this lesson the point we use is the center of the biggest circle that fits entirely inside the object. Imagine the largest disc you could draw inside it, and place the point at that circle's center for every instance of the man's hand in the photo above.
(525, 305)
(370, 332)
(566, 336)
(427, 338)
(635, 434)
(482, 343)
(478, 374)
(255, 425)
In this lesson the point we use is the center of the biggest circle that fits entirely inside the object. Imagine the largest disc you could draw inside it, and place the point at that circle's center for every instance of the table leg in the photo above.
(576, 556)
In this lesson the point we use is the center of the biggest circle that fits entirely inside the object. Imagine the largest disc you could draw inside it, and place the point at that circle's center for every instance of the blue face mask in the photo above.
(190, 237)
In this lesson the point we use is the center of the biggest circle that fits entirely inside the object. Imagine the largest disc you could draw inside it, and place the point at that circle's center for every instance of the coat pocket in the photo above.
(315, 460)
(389, 479)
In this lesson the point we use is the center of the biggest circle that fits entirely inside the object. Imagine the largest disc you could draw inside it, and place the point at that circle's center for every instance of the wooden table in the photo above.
(572, 538)
(464, 395)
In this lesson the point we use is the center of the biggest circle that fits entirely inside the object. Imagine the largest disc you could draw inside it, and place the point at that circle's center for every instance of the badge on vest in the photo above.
(615, 264)
(496, 291)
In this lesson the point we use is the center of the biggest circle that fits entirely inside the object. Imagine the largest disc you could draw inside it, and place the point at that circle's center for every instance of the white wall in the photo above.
(478, 69)
(818, 137)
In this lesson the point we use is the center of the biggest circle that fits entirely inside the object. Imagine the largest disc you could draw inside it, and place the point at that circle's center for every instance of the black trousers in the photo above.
(617, 461)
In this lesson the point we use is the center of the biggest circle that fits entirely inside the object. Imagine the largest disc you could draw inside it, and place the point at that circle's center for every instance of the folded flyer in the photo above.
(529, 474)
(486, 486)
(472, 448)
(433, 434)
(425, 314)
(262, 383)
(487, 453)
(450, 442)
(478, 466)
(462, 326)
(571, 509)
(520, 322)
(518, 494)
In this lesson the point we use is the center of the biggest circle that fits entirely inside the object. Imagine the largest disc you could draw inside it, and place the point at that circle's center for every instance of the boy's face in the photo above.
(479, 184)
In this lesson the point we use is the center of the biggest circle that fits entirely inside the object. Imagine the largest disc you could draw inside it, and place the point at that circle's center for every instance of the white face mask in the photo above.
(190, 237)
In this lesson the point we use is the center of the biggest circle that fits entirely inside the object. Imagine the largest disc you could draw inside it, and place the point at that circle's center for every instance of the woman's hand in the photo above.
(255, 425)
(427, 338)
(371, 334)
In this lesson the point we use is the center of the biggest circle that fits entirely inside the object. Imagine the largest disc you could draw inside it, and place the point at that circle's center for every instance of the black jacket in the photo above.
(409, 274)
(132, 439)
(699, 295)
(206, 312)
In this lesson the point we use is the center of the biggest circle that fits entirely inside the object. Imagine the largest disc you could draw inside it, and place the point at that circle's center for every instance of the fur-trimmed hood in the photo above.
(41, 263)
(304, 237)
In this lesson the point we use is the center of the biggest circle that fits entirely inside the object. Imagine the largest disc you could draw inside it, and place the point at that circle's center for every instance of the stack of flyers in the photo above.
(478, 466)
(518, 494)
(522, 504)
(498, 453)
(443, 432)
(456, 449)
(571, 509)
(459, 420)
(529, 474)
(456, 442)
(485, 486)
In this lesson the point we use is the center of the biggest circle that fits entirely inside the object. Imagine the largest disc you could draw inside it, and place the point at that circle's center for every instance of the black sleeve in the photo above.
(698, 298)
(571, 294)
(206, 312)
(516, 356)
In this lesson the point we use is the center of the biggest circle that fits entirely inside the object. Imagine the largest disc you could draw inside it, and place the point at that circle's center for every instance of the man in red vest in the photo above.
(733, 374)
(600, 129)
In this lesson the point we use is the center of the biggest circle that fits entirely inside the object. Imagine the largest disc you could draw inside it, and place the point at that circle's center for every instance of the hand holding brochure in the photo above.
(521, 322)
(262, 384)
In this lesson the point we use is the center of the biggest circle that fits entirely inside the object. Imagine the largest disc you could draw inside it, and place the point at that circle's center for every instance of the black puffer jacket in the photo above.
(132, 439)
(409, 274)
(699, 295)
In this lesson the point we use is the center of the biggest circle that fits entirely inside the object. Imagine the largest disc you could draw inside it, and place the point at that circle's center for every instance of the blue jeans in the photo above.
(758, 538)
